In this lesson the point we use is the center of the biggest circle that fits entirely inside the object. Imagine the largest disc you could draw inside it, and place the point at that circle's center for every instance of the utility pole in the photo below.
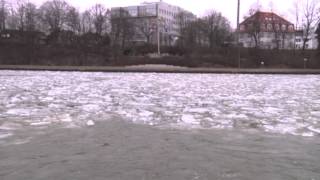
(238, 35)
(158, 30)
(158, 36)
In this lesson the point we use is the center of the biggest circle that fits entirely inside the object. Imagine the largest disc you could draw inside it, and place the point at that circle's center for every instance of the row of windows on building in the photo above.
(167, 13)
(267, 35)
(147, 11)
(269, 27)
(142, 11)
(175, 21)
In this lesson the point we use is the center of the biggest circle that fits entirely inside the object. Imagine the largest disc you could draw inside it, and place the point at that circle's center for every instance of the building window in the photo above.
(283, 27)
(269, 27)
(242, 28)
(269, 35)
(290, 28)
(277, 27)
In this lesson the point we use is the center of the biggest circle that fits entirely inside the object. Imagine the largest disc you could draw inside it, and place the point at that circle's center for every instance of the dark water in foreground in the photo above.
(122, 151)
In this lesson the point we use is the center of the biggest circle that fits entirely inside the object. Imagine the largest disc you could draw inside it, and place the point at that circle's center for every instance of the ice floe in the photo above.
(278, 104)
(90, 123)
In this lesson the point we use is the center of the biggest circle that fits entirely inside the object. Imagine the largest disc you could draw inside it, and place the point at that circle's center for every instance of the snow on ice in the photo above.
(279, 104)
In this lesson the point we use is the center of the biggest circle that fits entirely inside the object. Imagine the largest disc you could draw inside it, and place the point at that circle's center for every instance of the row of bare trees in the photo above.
(212, 30)
(52, 15)
(57, 15)
(307, 17)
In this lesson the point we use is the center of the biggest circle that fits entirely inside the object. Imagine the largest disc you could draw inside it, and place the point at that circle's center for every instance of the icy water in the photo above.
(284, 104)
(64, 125)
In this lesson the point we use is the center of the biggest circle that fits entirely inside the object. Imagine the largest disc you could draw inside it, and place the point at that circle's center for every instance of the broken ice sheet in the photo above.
(283, 104)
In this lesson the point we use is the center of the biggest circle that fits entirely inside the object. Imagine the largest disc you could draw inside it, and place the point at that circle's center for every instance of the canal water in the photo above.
(279, 106)
(285, 104)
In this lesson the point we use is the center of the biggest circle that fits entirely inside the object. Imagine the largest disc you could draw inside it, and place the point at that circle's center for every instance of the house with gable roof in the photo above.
(267, 30)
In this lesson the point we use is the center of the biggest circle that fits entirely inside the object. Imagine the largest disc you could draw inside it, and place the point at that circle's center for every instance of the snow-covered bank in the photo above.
(159, 68)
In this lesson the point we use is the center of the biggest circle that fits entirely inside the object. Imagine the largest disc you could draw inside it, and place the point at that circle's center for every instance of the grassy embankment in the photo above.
(102, 57)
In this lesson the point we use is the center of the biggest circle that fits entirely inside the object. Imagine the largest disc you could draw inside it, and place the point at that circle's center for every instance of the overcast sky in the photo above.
(198, 7)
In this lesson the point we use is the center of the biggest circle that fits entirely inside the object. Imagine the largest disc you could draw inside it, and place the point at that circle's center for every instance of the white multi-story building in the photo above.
(149, 17)
(312, 42)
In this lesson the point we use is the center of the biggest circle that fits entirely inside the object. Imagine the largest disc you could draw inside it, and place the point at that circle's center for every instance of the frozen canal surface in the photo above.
(73, 125)
(282, 104)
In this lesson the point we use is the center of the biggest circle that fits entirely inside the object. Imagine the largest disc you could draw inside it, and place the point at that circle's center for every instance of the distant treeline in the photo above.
(56, 33)
(63, 23)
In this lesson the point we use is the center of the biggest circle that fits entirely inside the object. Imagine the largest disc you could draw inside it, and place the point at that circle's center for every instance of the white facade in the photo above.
(267, 30)
(159, 15)
(269, 40)
(312, 43)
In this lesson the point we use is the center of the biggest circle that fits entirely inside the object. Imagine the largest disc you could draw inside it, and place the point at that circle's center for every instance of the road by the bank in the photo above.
(160, 69)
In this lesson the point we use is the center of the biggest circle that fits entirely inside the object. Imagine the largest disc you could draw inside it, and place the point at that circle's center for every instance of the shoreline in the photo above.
(159, 69)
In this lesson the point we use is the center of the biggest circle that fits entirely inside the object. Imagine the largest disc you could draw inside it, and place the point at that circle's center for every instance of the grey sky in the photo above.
(199, 7)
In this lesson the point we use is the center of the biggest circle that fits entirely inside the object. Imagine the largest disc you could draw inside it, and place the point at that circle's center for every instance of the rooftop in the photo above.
(266, 17)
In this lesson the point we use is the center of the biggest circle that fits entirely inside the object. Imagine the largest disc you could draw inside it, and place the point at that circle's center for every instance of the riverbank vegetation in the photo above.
(56, 33)
(223, 57)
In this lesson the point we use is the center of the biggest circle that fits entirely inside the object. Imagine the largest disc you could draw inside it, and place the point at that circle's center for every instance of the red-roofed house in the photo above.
(267, 30)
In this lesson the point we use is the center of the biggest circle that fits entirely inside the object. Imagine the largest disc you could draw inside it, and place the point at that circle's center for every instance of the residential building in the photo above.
(149, 17)
(312, 42)
(267, 30)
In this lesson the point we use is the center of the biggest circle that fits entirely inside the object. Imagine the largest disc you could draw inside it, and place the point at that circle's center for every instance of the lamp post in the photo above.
(305, 60)
(158, 35)
(238, 34)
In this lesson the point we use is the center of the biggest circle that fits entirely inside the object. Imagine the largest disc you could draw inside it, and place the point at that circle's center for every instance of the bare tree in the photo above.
(184, 21)
(21, 12)
(310, 18)
(31, 16)
(296, 12)
(12, 17)
(193, 35)
(3, 14)
(254, 27)
(27, 15)
(99, 18)
(216, 27)
(181, 19)
(276, 29)
(122, 28)
(279, 28)
(73, 20)
(145, 27)
(8, 15)
(53, 14)
(318, 36)
(86, 22)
